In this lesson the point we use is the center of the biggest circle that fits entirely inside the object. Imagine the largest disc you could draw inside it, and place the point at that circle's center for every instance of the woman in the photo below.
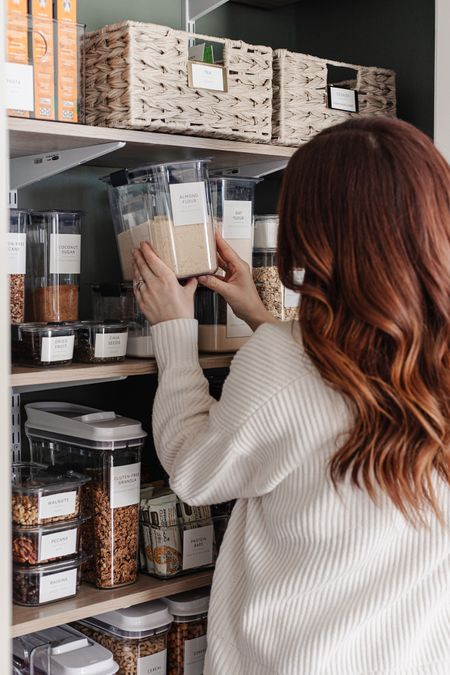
(332, 431)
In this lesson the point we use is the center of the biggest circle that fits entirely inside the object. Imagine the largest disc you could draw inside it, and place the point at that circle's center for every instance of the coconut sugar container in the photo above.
(168, 205)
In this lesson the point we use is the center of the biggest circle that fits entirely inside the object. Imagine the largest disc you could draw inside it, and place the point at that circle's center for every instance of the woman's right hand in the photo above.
(237, 287)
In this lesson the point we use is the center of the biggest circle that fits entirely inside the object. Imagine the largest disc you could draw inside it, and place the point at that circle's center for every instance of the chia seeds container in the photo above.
(16, 262)
(42, 344)
(100, 342)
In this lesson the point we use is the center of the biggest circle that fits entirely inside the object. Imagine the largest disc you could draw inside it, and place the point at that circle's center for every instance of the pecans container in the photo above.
(106, 447)
(42, 544)
(42, 344)
(43, 495)
(136, 636)
(41, 584)
(187, 637)
(16, 242)
(100, 342)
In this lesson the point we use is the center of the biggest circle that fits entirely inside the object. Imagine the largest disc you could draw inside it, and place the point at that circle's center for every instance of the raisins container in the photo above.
(187, 637)
(136, 636)
(43, 345)
(48, 543)
(100, 342)
(41, 584)
(107, 448)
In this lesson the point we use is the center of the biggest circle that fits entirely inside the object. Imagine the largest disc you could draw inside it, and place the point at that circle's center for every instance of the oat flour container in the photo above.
(168, 205)
(187, 637)
(106, 447)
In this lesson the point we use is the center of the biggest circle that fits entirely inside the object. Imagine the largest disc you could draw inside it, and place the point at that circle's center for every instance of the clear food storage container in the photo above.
(53, 264)
(233, 199)
(46, 543)
(61, 650)
(16, 261)
(40, 584)
(136, 636)
(168, 205)
(187, 637)
(43, 495)
(100, 342)
(43, 344)
(107, 448)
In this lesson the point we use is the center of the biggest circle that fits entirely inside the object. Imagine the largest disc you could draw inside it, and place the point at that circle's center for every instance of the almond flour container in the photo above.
(53, 264)
(107, 448)
(187, 637)
(137, 637)
(168, 205)
(16, 262)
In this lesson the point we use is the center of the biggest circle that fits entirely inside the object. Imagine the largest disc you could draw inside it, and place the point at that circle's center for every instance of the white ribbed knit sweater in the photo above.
(308, 581)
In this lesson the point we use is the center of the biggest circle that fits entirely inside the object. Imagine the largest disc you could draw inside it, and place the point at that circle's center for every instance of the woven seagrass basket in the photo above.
(300, 97)
(137, 78)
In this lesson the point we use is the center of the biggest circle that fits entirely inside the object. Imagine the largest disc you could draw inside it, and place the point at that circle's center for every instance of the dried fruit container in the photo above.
(43, 344)
(61, 650)
(168, 205)
(53, 264)
(46, 543)
(41, 584)
(100, 342)
(16, 261)
(42, 495)
(107, 448)
(136, 636)
(187, 637)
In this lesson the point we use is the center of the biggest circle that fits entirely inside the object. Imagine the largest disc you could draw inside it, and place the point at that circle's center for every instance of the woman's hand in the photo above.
(157, 290)
(237, 287)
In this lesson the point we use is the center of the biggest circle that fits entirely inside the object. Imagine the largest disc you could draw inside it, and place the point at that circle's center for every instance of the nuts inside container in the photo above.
(187, 637)
(43, 544)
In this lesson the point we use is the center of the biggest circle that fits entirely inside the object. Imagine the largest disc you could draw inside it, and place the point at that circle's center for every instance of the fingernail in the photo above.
(203, 279)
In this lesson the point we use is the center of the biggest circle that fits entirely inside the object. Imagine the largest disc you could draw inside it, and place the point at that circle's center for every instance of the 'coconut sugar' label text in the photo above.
(125, 485)
(57, 505)
(194, 656)
(110, 345)
(16, 242)
(155, 664)
(57, 586)
(65, 253)
(198, 547)
(59, 348)
(237, 219)
(188, 202)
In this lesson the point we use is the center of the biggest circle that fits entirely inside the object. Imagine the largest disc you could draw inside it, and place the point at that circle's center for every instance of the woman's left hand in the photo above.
(157, 290)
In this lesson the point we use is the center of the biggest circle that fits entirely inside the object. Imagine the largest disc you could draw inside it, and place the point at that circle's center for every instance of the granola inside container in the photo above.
(168, 205)
(16, 242)
(42, 344)
(187, 637)
(136, 636)
(107, 448)
(46, 543)
(41, 584)
(100, 342)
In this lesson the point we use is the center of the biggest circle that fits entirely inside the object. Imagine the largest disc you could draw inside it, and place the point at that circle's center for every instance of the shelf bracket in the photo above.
(15, 428)
(254, 170)
(27, 170)
(196, 9)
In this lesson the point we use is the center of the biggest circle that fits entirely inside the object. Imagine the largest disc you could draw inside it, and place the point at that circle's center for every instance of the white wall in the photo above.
(442, 78)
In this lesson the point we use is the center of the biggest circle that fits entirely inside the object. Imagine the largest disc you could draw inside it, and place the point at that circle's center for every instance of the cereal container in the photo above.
(16, 242)
(61, 650)
(43, 344)
(53, 264)
(106, 447)
(41, 584)
(168, 205)
(136, 636)
(187, 637)
(100, 341)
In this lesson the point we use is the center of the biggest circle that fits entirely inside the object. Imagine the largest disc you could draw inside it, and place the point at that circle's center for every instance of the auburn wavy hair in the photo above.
(365, 210)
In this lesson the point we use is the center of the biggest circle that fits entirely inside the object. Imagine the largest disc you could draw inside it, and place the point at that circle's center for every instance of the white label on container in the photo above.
(237, 219)
(109, 345)
(198, 547)
(19, 86)
(58, 348)
(65, 253)
(188, 203)
(58, 544)
(57, 505)
(156, 664)
(57, 586)
(236, 327)
(292, 298)
(343, 99)
(207, 76)
(194, 656)
(125, 484)
(16, 252)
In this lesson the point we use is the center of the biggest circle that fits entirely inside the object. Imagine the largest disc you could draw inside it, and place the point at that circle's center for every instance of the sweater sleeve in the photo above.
(217, 451)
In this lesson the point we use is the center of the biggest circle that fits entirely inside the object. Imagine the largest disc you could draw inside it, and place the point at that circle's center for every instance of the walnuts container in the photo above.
(187, 637)
(105, 447)
(136, 636)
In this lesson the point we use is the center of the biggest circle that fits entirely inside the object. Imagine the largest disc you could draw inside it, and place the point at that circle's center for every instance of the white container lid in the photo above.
(138, 619)
(83, 426)
(266, 231)
(68, 650)
(189, 603)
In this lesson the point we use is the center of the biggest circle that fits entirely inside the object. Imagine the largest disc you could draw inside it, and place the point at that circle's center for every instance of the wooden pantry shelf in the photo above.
(31, 137)
(91, 601)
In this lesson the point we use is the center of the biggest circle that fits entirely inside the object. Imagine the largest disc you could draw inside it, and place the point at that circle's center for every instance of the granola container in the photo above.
(100, 342)
(41, 584)
(43, 345)
(61, 650)
(136, 636)
(107, 448)
(53, 264)
(46, 543)
(43, 495)
(16, 262)
(187, 637)
(168, 205)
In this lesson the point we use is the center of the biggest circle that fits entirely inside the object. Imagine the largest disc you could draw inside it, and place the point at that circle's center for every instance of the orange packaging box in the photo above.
(67, 60)
(43, 59)
(17, 53)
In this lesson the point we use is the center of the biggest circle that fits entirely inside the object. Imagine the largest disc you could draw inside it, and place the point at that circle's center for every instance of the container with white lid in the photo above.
(137, 636)
(187, 637)
(106, 447)
(61, 651)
